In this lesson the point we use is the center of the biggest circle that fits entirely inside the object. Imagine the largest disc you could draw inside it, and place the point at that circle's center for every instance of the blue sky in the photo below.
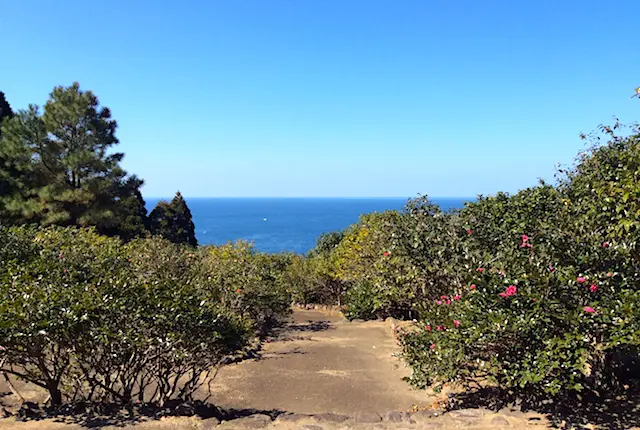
(334, 97)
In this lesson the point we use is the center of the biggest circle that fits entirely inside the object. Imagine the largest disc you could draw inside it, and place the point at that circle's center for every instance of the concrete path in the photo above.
(322, 363)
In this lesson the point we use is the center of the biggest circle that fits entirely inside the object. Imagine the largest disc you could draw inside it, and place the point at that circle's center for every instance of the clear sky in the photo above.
(334, 97)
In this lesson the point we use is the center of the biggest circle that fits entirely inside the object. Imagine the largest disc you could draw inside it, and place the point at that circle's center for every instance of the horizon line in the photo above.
(309, 197)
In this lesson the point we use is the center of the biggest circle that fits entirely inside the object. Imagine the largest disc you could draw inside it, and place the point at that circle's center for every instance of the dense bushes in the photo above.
(536, 292)
(90, 319)
(551, 303)
(246, 282)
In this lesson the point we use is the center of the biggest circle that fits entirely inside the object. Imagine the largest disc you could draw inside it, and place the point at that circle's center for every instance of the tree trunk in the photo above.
(54, 393)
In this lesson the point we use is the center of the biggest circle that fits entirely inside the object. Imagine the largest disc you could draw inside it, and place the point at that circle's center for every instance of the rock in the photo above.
(422, 416)
(499, 421)
(465, 414)
(255, 421)
(291, 418)
(209, 423)
(393, 417)
(330, 418)
(367, 417)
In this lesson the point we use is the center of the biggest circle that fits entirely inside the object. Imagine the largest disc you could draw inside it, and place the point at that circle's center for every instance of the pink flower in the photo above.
(580, 280)
(480, 269)
(526, 245)
(443, 297)
(428, 327)
(65, 270)
(238, 291)
(386, 253)
(469, 231)
(589, 309)
(448, 301)
(473, 286)
(433, 346)
(605, 245)
(60, 256)
(552, 269)
(593, 288)
(439, 327)
(503, 295)
(525, 238)
(456, 323)
(512, 290)
(610, 274)
(457, 297)
(438, 302)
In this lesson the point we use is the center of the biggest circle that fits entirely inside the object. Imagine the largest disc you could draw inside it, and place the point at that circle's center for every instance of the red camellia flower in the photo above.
(386, 253)
(580, 280)
(473, 286)
(593, 288)
(457, 297)
(443, 297)
(456, 323)
(433, 346)
(469, 231)
(525, 238)
(480, 269)
(439, 327)
(589, 309)
(511, 290)
(428, 327)
(605, 245)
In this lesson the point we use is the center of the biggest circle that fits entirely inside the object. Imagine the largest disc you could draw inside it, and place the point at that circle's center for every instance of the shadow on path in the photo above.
(96, 415)
(608, 411)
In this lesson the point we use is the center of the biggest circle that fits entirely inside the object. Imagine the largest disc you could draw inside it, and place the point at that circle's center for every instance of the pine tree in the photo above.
(5, 112)
(173, 221)
(61, 169)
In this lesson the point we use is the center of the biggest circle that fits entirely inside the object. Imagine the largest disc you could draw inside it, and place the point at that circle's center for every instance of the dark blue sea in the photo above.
(284, 224)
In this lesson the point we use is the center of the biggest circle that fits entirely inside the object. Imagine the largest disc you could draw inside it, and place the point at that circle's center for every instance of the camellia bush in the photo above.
(552, 305)
(247, 282)
(89, 319)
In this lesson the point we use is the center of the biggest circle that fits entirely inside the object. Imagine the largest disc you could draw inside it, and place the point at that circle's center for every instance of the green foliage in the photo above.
(172, 220)
(58, 168)
(88, 318)
(360, 302)
(5, 112)
(247, 282)
(326, 243)
(548, 302)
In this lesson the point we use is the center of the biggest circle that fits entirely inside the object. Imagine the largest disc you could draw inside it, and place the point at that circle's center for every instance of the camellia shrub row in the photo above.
(88, 318)
(536, 292)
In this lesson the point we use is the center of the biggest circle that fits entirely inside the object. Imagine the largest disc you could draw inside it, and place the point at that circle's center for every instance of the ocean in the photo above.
(284, 224)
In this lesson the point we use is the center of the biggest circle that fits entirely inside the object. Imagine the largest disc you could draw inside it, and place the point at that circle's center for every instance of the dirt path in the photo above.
(321, 363)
